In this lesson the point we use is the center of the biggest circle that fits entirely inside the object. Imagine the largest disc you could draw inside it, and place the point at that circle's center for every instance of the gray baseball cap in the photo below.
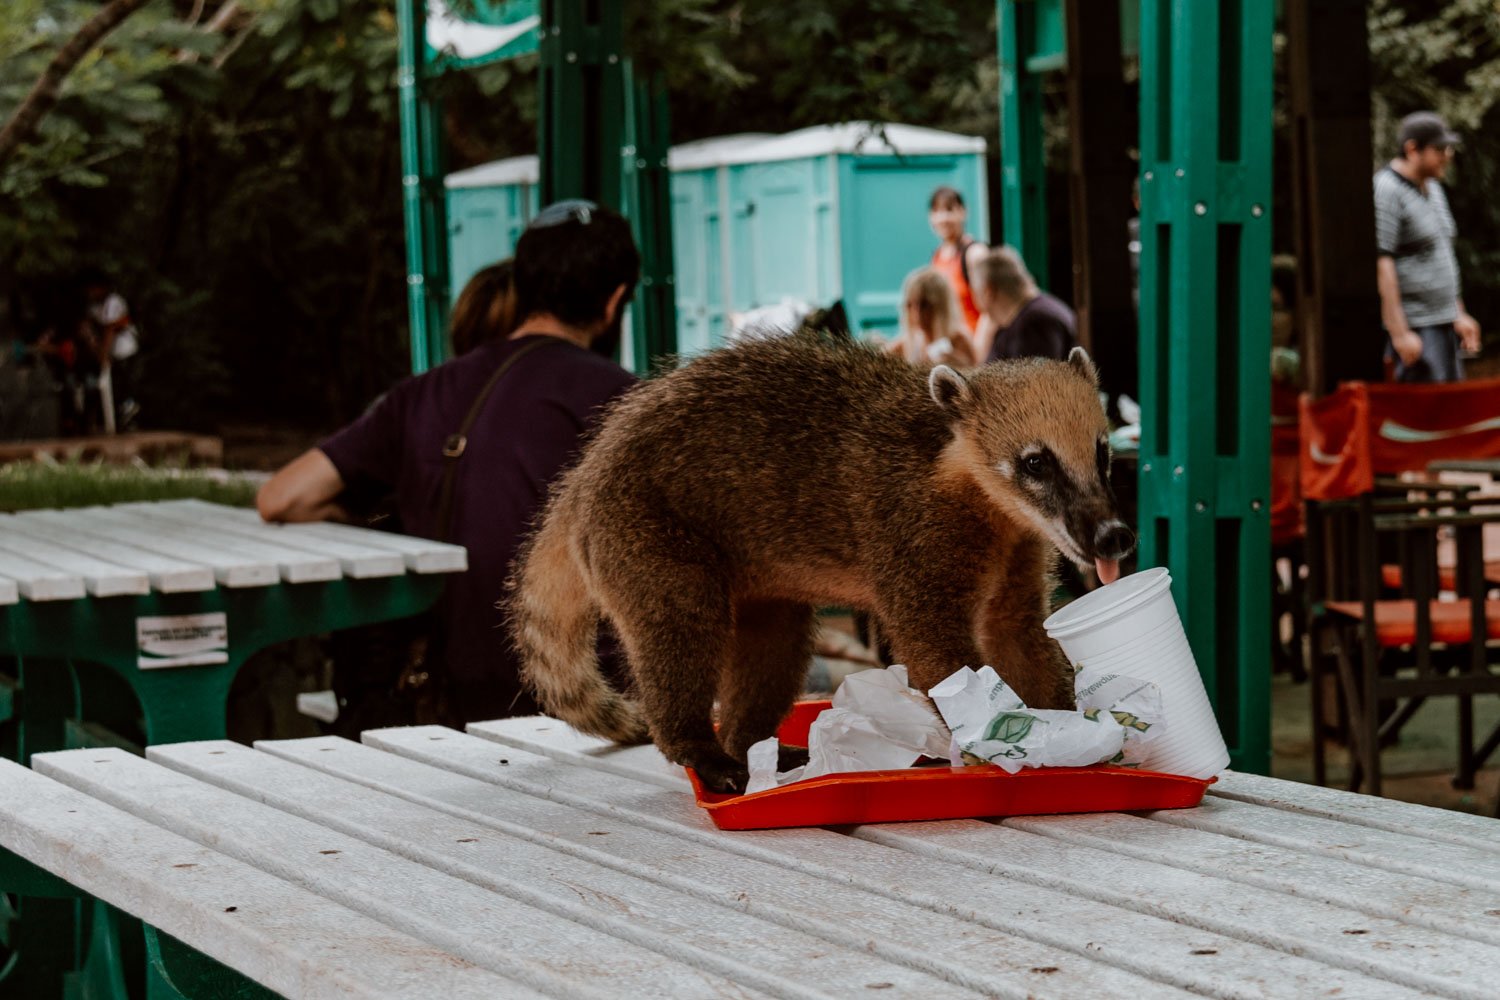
(1426, 128)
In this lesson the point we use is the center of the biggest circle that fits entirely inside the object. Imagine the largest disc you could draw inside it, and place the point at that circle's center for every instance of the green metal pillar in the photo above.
(1023, 167)
(648, 204)
(1205, 340)
(582, 97)
(423, 203)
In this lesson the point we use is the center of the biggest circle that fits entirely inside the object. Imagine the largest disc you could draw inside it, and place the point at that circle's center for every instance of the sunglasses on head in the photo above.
(579, 210)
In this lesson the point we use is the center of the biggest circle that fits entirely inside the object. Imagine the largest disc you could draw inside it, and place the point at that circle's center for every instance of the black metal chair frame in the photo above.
(1372, 676)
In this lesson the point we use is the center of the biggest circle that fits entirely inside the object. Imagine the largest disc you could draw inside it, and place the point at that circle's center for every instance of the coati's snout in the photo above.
(1035, 437)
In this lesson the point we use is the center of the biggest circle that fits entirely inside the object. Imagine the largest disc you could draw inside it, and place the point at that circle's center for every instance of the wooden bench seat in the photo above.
(1396, 621)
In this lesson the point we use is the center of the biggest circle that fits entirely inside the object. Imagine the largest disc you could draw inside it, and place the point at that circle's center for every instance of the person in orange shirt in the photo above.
(957, 257)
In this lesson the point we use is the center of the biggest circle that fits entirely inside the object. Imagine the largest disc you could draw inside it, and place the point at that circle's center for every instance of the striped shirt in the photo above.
(1416, 229)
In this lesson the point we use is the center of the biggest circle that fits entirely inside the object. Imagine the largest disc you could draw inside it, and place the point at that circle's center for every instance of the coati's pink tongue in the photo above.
(1108, 569)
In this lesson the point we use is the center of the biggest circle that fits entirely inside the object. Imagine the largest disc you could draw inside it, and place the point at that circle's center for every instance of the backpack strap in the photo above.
(963, 260)
(457, 442)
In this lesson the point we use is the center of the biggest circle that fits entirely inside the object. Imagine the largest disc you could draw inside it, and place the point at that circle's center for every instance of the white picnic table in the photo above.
(175, 595)
(522, 859)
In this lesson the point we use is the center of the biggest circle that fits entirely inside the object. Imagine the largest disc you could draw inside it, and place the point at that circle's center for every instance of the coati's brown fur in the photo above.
(720, 504)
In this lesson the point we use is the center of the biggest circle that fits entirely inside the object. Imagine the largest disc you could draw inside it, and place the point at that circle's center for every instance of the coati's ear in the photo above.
(949, 389)
(1084, 365)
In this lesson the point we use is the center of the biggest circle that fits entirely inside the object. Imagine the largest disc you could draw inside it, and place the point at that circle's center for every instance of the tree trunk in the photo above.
(29, 113)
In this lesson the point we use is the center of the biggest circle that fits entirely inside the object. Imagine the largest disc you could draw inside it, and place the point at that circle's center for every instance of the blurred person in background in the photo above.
(957, 256)
(1028, 321)
(485, 309)
(932, 327)
(1416, 271)
(116, 343)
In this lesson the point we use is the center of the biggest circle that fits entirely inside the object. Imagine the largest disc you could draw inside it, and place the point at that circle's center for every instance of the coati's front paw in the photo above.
(727, 777)
(718, 771)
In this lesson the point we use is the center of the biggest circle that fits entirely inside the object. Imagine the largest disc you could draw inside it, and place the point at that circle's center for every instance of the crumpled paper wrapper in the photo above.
(878, 723)
(991, 723)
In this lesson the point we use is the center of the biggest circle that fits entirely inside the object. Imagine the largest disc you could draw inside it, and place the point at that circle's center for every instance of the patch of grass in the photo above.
(30, 485)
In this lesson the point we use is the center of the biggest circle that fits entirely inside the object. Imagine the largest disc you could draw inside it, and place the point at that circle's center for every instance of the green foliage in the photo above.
(240, 180)
(776, 65)
(240, 176)
(33, 485)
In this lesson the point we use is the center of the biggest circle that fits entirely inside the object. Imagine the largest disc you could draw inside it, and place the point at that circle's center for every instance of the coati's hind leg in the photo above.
(768, 661)
(674, 621)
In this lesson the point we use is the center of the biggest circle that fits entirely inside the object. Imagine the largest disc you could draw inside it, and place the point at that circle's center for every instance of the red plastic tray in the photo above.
(941, 792)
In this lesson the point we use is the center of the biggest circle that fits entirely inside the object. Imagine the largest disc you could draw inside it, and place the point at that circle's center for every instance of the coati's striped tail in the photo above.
(554, 622)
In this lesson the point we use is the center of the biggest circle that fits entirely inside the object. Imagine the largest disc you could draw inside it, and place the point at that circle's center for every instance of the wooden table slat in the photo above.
(167, 575)
(293, 565)
(706, 934)
(286, 938)
(39, 582)
(358, 560)
(1405, 852)
(513, 939)
(1434, 824)
(422, 555)
(1396, 895)
(101, 523)
(100, 577)
(1154, 946)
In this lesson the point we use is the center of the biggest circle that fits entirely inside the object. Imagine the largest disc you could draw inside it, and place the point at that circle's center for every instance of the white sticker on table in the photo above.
(182, 640)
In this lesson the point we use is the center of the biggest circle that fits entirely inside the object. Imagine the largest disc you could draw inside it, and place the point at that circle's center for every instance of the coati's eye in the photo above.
(1036, 463)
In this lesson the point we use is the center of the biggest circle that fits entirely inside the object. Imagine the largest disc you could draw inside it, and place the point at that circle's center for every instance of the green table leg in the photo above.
(115, 956)
(188, 703)
(178, 972)
(39, 949)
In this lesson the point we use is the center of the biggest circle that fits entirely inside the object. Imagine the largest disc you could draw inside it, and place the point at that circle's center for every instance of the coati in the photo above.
(720, 504)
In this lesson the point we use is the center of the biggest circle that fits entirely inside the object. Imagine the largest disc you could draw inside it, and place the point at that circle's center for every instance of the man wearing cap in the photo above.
(1416, 270)
(527, 402)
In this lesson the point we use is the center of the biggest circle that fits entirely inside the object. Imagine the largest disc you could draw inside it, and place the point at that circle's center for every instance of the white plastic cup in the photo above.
(1131, 627)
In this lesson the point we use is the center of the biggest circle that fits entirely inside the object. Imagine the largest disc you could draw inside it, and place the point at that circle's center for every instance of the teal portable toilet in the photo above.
(488, 206)
(699, 237)
(828, 213)
(833, 212)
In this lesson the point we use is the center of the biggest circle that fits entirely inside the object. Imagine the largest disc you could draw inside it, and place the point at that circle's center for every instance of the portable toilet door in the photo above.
(700, 202)
(839, 212)
(885, 184)
(488, 206)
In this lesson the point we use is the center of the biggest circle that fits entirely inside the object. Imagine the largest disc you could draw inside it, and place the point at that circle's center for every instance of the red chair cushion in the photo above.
(1390, 576)
(1396, 621)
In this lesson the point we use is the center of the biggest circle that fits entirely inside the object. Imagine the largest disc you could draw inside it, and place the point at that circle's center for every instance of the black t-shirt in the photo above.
(1044, 328)
(530, 429)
